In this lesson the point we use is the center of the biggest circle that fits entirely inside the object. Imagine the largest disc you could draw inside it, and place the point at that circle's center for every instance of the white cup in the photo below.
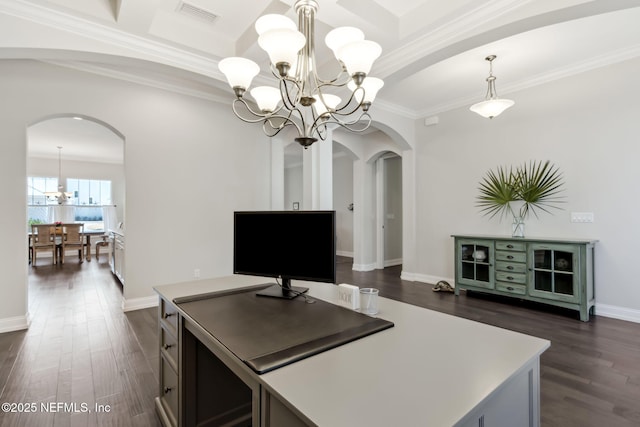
(369, 301)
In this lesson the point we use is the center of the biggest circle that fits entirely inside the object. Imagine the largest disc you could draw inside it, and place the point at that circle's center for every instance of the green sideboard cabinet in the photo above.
(550, 271)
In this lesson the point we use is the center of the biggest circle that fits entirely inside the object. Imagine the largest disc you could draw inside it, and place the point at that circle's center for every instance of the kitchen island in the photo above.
(429, 369)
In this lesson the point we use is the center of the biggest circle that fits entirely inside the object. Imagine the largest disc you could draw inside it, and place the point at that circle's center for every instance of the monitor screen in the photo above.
(286, 244)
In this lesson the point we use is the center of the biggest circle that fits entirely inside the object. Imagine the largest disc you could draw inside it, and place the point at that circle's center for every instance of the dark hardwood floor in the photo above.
(81, 348)
(590, 376)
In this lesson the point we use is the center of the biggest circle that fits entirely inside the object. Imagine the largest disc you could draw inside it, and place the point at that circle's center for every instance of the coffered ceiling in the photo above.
(433, 50)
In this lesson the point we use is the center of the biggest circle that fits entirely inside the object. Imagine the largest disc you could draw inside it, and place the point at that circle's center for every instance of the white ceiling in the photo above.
(433, 50)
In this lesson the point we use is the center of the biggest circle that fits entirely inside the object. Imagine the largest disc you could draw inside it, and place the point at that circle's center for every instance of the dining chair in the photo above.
(72, 239)
(43, 239)
(105, 242)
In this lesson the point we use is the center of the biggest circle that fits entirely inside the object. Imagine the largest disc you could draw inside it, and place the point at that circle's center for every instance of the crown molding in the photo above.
(140, 47)
(139, 79)
(443, 35)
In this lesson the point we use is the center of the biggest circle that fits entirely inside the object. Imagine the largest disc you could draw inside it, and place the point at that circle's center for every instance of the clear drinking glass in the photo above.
(369, 301)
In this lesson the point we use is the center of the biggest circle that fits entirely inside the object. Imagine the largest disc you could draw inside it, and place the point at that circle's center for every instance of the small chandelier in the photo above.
(492, 106)
(301, 99)
(61, 196)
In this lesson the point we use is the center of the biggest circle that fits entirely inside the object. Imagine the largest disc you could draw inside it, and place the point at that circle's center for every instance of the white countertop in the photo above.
(430, 369)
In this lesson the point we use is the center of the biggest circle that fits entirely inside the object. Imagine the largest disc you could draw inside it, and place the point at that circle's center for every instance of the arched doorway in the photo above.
(86, 157)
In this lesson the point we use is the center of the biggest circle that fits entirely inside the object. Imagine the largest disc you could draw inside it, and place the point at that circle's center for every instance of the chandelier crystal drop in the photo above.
(492, 106)
(301, 99)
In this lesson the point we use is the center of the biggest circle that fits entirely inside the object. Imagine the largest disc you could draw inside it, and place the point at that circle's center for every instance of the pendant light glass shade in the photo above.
(282, 45)
(358, 56)
(341, 36)
(274, 22)
(371, 86)
(266, 97)
(330, 103)
(491, 108)
(239, 71)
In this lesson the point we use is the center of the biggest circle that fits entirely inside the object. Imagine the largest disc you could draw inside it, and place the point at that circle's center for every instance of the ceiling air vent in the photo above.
(196, 12)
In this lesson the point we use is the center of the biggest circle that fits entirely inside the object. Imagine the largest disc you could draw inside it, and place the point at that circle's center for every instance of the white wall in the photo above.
(189, 163)
(588, 125)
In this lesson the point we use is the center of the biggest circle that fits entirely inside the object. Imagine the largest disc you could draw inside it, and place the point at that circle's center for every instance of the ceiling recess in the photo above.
(196, 12)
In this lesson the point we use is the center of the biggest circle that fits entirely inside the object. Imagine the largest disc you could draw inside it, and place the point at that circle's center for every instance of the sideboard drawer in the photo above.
(510, 246)
(511, 267)
(511, 256)
(504, 276)
(511, 288)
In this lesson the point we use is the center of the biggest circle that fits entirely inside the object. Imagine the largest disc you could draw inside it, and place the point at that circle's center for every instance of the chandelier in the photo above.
(60, 196)
(492, 106)
(302, 100)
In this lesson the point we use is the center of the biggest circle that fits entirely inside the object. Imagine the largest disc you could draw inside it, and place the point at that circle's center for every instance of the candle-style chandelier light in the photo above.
(302, 100)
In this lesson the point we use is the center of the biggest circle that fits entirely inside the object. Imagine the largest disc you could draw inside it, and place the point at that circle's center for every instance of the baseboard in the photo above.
(615, 312)
(425, 278)
(345, 253)
(363, 267)
(16, 323)
(392, 262)
(139, 303)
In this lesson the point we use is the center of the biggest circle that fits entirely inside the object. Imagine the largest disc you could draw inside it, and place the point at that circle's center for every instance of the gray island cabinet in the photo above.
(550, 271)
(429, 369)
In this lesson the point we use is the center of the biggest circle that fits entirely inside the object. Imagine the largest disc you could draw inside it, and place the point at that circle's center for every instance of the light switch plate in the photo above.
(349, 296)
(582, 217)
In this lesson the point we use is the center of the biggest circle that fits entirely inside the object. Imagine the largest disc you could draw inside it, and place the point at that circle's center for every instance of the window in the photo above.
(90, 191)
(37, 186)
(89, 196)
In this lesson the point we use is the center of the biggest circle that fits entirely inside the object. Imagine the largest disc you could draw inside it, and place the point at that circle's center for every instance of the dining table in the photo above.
(87, 234)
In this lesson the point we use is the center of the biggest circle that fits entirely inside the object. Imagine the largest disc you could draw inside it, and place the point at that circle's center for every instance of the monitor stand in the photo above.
(286, 291)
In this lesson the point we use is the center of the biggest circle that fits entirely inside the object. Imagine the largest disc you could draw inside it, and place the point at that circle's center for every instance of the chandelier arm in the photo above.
(319, 127)
(334, 82)
(320, 124)
(350, 124)
(287, 120)
(338, 111)
(286, 95)
(276, 129)
(322, 135)
(259, 116)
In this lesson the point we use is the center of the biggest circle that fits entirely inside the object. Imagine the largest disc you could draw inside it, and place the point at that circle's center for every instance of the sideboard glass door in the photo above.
(554, 272)
(476, 263)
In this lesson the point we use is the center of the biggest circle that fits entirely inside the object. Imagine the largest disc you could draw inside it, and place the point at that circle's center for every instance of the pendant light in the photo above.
(492, 106)
(61, 196)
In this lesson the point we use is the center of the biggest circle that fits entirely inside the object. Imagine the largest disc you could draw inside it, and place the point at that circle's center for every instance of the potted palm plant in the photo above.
(529, 188)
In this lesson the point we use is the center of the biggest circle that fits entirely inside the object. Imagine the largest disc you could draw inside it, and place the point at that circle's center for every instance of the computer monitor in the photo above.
(289, 245)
